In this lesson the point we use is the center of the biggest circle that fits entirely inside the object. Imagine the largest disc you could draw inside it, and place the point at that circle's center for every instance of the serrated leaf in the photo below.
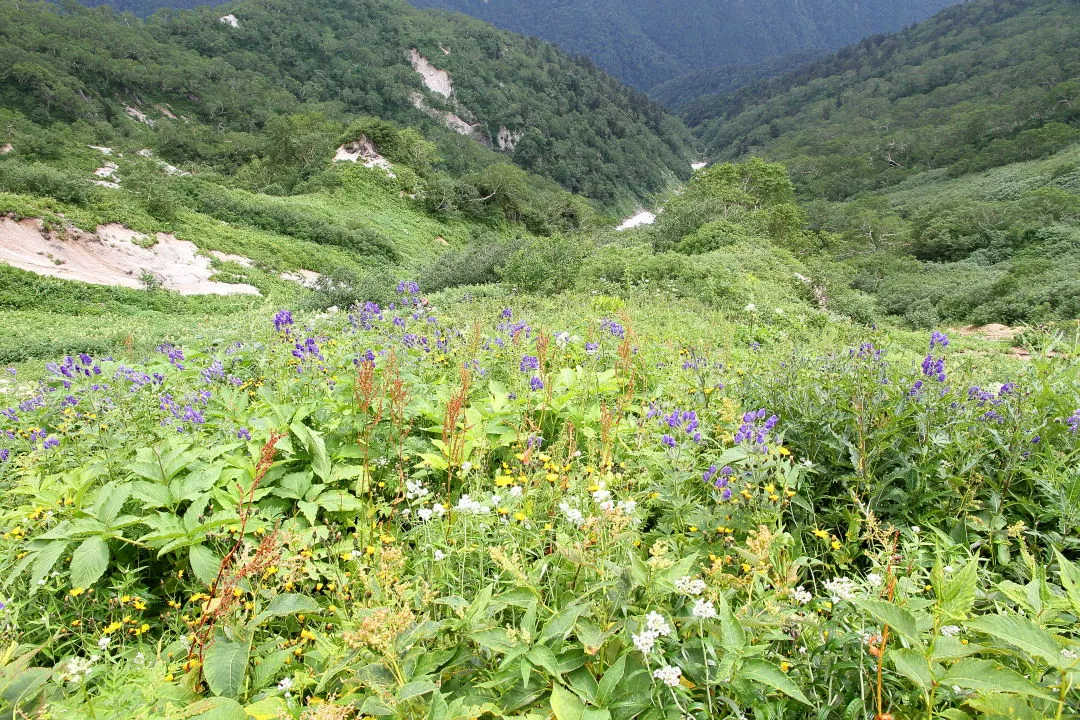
(897, 618)
(560, 624)
(45, 559)
(768, 674)
(225, 667)
(110, 501)
(734, 637)
(991, 677)
(912, 665)
(1021, 633)
(565, 704)
(957, 592)
(89, 562)
(610, 681)
(204, 563)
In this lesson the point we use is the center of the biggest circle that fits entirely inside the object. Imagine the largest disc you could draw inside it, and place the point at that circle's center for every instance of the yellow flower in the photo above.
(503, 480)
(785, 665)
(771, 489)
(821, 534)
(76, 592)
(520, 516)
(836, 545)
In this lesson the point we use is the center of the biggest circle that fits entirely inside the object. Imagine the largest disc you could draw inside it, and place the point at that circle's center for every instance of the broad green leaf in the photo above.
(610, 681)
(415, 689)
(313, 442)
(287, 604)
(565, 704)
(912, 665)
(496, 639)
(45, 559)
(998, 705)
(269, 708)
(218, 708)
(560, 624)
(897, 618)
(542, 657)
(23, 688)
(110, 500)
(225, 666)
(375, 707)
(991, 677)
(1070, 580)
(204, 563)
(89, 562)
(1020, 632)
(956, 593)
(734, 636)
(768, 674)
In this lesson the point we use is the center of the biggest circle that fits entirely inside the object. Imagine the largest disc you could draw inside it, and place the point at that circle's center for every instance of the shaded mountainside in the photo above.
(979, 85)
(549, 114)
(646, 42)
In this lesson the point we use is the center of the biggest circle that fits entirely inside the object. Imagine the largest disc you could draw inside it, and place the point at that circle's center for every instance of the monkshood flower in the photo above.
(175, 354)
(507, 313)
(866, 351)
(283, 320)
(938, 340)
(1073, 421)
(934, 368)
(754, 433)
(613, 327)
(529, 363)
(243, 434)
(536, 383)
(216, 371)
(592, 348)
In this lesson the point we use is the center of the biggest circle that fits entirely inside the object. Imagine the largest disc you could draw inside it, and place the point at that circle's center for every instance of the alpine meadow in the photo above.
(367, 361)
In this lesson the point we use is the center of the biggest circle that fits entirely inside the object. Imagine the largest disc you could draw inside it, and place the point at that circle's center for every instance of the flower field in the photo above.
(585, 508)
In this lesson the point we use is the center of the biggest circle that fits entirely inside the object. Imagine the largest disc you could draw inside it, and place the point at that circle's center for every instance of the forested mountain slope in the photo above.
(646, 42)
(979, 85)
(547, 113)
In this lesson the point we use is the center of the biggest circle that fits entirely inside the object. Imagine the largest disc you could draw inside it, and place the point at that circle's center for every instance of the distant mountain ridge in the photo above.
(646, 42)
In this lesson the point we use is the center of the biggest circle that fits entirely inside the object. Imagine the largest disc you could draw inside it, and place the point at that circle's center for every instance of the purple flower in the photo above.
(536, 383)
(243, 434)
(591, 347)
(529, 363)
(938, 340)
(668, 440)
(1073, 421)
(408, 287)
(507, 313)
(283, 320)
(216, 371)
(51, 442)
(613, 327)
(4, 454)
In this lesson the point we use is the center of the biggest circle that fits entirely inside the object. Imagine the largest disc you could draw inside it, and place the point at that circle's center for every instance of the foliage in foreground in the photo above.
(509, 512)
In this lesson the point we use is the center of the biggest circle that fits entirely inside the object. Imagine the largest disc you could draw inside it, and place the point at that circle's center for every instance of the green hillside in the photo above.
(558, 118)
(940, 162)
(647, 42)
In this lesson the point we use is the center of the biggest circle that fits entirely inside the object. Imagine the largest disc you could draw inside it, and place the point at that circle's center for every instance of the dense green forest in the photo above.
(563, 119)
(646, 42)
(944, 157)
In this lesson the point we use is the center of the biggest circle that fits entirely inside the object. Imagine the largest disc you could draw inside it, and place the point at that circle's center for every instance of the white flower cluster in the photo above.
(655, 627)
(572, 514)
(841, 588)
(77, 669)
(602, 497)
(951, 630)
(415, 490)
(874, 580)
(471, 507)
(436, 510)
(668, 674)
(690, 586)
(802, 595)
(1069, 654)
(704, 609)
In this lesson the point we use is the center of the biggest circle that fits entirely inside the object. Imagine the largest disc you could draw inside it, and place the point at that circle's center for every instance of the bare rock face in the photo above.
(508, 139)
(436, 80)
(363, 150)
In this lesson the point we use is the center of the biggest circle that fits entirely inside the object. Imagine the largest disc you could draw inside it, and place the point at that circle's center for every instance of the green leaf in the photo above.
(45, 559)
(269, 708)
(110, 500)
(565, 704)
(315, 445)
(897, 618)
(610, 681)
(286, 604)
(225, 666)
(1070, 580)
(768, 674)
(542, 657)
(912, 665)
(496, 639)
(89, 561)
(991, 677)
(956, 594)
(559, 625)
(734, 637)
(23, 688)
(204, 563)
(415, 689)
(1020, 632)
(218, 708)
